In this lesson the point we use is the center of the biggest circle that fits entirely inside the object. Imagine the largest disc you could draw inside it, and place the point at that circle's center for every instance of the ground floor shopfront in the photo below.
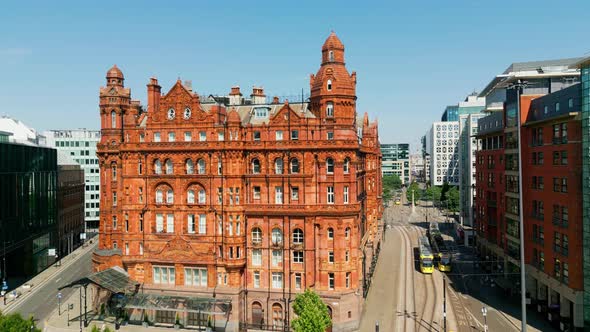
(561, 305)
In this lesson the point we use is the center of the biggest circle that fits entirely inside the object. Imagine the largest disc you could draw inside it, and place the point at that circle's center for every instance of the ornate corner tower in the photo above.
(115, 102)
(333, 90)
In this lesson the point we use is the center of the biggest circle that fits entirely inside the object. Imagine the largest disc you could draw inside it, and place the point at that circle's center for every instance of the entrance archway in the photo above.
(257, 315)
(329, 329)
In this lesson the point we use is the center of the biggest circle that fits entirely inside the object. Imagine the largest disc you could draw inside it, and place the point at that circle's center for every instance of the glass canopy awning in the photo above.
(201, 305)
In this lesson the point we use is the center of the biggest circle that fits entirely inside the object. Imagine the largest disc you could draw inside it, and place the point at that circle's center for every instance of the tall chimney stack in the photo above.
(154, 94)
(258, 97)
(235, 96)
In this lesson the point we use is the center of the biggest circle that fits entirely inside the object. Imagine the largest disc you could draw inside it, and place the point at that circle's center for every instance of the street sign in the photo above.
(50, 252)
(82, 236)
(59, 295)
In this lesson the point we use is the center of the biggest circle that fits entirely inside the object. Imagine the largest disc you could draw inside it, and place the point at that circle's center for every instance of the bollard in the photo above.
(377, 326)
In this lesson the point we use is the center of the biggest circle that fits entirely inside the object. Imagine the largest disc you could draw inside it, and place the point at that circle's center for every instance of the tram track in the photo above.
(425, 321)
(409, 312)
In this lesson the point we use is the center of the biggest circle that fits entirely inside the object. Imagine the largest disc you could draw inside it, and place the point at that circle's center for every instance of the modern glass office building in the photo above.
(584, 66)
(396, 160)
(28, 210)
(80, 144)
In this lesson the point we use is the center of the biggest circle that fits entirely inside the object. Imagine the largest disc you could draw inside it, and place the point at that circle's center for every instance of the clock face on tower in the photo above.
(187, 113)
(171, 114)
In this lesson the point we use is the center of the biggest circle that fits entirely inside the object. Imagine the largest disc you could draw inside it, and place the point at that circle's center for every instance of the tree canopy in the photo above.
(312, 313)
(444, 190)
(391, 183)
(432, 193)
(16, 323)
(417, 192)
(453, 199)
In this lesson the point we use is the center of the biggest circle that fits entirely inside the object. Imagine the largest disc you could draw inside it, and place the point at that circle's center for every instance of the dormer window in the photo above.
(261, 112)
(331, 56)
(329, 85)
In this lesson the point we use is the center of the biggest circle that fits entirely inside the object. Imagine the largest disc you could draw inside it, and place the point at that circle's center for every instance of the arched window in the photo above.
(201, 166)
(139, 167)
(277, 236)
(169, 196)
(294, 166)
(330, 233)
(329, 109)
(347, 233)
(114, 171)
(255, 166)
(330, 166)
(113, 119)
(297, 236)
(278, 166)
(202, 196)
(169, 167)
(159, 196)
(329, 85)
(331, 56)
(346, 166)
(157, 166)
(277, 311)
(256, 235)
(190, 196)
(257, 313)
(190, 167)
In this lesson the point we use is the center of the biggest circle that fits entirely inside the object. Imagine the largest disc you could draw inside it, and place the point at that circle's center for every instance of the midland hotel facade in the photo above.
(240, 199)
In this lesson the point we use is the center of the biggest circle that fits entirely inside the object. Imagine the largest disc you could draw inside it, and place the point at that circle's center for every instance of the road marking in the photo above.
(57, 280)
(472, 316)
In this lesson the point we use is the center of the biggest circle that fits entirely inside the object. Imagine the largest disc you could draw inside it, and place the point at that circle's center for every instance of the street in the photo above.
(42, 299)
(402, 298)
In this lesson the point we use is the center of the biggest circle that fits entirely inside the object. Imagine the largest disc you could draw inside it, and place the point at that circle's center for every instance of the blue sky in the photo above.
(412, 58)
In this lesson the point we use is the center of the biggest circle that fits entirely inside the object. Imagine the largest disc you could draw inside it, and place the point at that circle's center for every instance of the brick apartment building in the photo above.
(240, 199)
(552, 202)
(489, 193)
(553, 191)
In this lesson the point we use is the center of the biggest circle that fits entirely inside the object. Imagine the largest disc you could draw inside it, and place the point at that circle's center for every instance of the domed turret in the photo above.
(333, 50)
(333, 89)
(115, 76)
(333, 43)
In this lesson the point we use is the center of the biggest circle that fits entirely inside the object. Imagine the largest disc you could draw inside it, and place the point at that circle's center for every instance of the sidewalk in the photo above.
(59, 323)
(37, 282)
(496, 300)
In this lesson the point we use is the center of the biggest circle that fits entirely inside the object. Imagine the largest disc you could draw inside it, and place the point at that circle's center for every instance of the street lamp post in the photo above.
(4, 273)
(519, 85)
(444, 304)
(59, 304)
(484, 312)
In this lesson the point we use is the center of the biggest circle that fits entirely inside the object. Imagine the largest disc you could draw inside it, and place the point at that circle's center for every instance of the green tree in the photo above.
(391, 183)
(97, 329)
(444, 190)
(417, 192)
(16, 323)
(453, 199)
(312, 313)
(432, 194)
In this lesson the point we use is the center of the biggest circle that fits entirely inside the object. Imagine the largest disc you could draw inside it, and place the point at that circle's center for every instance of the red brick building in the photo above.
(552, 196)
(552, 203)
(241, 199)
(490, 190)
